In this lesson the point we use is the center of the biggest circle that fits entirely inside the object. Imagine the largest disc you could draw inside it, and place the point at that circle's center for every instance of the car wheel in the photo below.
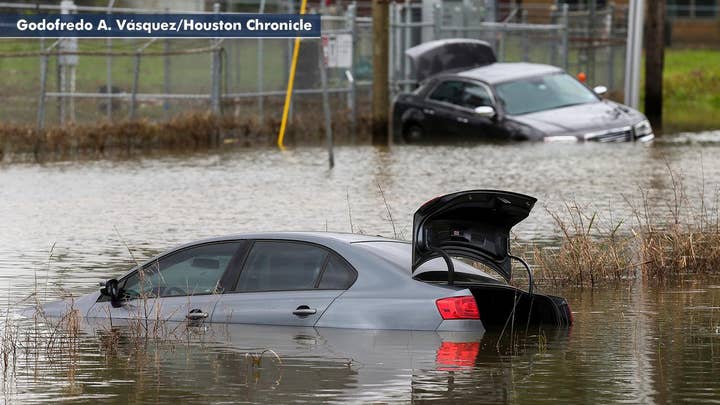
(413, 133)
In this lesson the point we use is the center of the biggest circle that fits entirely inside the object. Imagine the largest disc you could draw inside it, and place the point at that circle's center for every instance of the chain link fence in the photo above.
(590, 40)
(49, 82)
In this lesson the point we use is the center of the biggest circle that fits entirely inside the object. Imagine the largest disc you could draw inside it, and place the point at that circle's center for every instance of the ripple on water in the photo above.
(624, 347)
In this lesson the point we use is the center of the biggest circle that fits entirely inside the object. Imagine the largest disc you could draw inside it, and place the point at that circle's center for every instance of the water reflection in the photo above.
(283, 364)
(627, 345)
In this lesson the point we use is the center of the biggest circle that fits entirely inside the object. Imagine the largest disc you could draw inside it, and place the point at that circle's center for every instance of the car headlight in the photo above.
(643, 129)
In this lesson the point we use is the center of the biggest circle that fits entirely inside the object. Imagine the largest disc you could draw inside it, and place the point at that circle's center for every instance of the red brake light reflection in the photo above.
(457, 354)
(463, 307)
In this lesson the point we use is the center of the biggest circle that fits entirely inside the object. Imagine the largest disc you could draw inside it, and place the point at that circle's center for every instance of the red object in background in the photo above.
(457, 354)
(582, 77)
(463, 307)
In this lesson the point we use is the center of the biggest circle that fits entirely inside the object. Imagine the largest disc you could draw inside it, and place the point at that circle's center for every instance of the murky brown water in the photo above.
(637, 344)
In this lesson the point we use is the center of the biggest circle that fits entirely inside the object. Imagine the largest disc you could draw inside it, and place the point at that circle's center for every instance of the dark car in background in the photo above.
(465, 95)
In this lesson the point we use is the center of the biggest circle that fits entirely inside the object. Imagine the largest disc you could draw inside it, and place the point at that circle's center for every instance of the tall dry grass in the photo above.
(683, 238)
(662, 242)
(188, 131)
(589, 253)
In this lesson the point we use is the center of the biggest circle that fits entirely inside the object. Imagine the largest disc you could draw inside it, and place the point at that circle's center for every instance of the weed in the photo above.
(187, 131)
(664, 243)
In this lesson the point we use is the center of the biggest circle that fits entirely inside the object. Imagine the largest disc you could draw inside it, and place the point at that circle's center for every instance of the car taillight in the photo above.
(463, 307)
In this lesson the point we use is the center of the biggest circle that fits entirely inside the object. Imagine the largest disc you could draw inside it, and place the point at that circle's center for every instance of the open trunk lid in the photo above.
(472, 224)
(433, 57)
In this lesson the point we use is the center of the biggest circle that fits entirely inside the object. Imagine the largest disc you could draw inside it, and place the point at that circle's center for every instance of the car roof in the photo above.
(502, 72)
(314, 236)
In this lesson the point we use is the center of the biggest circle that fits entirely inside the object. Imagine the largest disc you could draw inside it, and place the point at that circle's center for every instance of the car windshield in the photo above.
(543, 93)
(400, 254)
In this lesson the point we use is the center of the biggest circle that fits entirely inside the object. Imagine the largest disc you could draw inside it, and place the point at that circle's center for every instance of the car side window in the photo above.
(281, 266)
(337, 275)
(475, 95)
(463, 94)
(191, 271)
(449, 91)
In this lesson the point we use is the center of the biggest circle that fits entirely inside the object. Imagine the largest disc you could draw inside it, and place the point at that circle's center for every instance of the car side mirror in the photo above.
(485, 111)
(600, 90)
(112, 290)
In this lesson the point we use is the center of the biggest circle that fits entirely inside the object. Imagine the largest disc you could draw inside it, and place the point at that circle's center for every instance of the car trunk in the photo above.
(476, 225)
(498, 304)
(430, 58)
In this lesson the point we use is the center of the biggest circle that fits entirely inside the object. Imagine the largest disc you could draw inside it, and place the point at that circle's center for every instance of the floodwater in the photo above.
(65, 226)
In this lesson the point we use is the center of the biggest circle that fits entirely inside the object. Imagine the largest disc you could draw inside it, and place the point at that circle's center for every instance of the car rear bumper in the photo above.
(461, 325)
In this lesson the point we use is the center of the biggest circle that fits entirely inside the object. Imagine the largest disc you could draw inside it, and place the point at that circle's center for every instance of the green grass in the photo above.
(691, 85)
(189, 74)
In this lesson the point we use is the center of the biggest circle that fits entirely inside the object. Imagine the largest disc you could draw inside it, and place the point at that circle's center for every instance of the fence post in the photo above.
(592, 15)
(215, 67)
(437, 21)
(565, 33)
(352, 96)
(108, 82)
(58, 85)
(260, 72)
(108, 62)
(525, 43)
(136, 78)
(326, 105)
(611, 48)
(407, 44)
(501, 44)
(290, 50)
(215, 77)
(43, 84)
(393, 46)
(166, 78)
(68, 61)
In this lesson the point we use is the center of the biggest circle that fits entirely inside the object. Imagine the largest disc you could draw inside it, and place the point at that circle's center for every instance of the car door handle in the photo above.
(196, 315)
(304, 310)
(461, 119)
(428, 111)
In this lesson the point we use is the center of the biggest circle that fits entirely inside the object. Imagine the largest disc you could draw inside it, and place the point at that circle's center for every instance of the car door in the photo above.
(185, 284)
(471, 125)
(285, 283)
(441, 108)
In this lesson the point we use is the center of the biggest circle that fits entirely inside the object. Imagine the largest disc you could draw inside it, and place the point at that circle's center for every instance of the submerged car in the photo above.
(464, 94)
(336, 280)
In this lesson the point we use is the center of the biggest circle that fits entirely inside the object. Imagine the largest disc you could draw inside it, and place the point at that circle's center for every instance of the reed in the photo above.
(660, 243)
(681, 239)
(588, 254)
(187, 131)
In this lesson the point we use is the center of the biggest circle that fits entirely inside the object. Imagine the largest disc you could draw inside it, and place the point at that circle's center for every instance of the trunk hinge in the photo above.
(448, 262)
(531, 282)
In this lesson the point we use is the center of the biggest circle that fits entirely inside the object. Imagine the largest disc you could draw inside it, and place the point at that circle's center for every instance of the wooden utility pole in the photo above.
(654, 61)
(381, 94)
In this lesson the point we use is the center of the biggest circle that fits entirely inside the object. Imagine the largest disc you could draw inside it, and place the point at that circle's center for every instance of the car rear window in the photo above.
(400, 254)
